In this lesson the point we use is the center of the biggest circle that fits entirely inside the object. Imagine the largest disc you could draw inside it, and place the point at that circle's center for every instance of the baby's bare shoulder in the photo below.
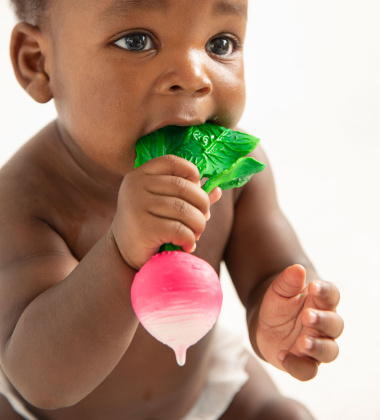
(47, 195)
(30, 180)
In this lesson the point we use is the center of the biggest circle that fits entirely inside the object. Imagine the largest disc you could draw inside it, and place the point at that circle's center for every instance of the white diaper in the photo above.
(226, 376)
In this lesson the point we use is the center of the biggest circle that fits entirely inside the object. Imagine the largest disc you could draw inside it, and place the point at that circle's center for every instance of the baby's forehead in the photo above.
(227, 5)
(103, 12)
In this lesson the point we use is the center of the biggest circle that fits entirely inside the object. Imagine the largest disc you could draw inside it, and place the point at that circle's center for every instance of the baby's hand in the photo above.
(160, 202)
(298, 324)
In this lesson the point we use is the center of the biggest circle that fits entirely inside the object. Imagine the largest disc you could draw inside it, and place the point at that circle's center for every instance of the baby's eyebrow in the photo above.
(124, 6)
(229, 7)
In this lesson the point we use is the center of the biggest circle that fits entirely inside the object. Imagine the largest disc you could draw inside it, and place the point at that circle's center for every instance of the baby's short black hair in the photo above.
(31, 11)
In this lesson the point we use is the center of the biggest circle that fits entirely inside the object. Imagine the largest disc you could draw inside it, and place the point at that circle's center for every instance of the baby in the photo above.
(78, 221)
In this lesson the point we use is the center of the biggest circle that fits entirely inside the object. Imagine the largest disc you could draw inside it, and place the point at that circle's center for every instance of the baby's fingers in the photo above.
(327, 323)
(215, 195)
(301, 368)
(326, 295)
(324, 350)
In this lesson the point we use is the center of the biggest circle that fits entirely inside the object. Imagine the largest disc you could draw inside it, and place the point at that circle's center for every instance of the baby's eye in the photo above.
(135, 42)
(221, 46)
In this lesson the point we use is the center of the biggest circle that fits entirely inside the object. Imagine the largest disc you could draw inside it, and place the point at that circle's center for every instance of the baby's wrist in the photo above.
(113, 243)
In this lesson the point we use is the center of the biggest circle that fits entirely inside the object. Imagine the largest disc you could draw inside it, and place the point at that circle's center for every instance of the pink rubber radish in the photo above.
(177, 297)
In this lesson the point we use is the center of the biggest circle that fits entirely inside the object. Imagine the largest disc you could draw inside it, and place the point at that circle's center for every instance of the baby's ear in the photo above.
(28, 59)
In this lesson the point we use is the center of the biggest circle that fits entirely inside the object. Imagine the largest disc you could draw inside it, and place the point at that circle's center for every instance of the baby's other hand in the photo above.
(160, 202)
(298, 324)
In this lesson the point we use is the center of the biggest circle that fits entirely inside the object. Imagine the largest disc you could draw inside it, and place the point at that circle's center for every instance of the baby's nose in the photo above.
(186, 74)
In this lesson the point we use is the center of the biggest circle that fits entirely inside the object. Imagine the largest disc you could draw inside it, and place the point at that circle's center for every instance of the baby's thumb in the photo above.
(291, 281)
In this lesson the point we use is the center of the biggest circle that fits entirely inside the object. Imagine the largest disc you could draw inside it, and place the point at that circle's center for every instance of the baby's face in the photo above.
(120, 69)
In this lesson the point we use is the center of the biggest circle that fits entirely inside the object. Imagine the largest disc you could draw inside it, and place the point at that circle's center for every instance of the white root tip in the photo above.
(180, 355)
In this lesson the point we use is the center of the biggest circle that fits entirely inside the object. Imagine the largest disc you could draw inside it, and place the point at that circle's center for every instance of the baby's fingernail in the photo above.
(318, 287)
(308, 344)
(313, 317)
(281, 356)
(193, 248)
(208, 216)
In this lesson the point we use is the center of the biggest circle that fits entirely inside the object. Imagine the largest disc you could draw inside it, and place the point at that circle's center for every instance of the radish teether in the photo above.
(176, 296)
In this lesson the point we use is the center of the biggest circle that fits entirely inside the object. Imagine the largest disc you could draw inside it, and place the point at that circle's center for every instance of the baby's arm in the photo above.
(283, 309)
(65, 324)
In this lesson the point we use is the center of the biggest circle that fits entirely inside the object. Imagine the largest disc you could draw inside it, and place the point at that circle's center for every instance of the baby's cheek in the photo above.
(231, 100)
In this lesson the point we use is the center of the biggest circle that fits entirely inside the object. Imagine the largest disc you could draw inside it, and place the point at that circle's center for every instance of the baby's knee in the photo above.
(282, 408)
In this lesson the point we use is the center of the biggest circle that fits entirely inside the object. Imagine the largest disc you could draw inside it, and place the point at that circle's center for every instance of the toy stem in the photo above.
(169, 247)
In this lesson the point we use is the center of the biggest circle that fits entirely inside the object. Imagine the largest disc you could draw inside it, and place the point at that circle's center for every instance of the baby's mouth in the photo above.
(181, 122)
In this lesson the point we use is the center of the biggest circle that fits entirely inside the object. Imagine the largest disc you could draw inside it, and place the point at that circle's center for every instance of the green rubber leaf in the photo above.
(217, 152)
(210, 147)
(236, 176)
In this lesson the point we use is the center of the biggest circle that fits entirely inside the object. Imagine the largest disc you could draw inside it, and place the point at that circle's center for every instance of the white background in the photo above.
(313, 74)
